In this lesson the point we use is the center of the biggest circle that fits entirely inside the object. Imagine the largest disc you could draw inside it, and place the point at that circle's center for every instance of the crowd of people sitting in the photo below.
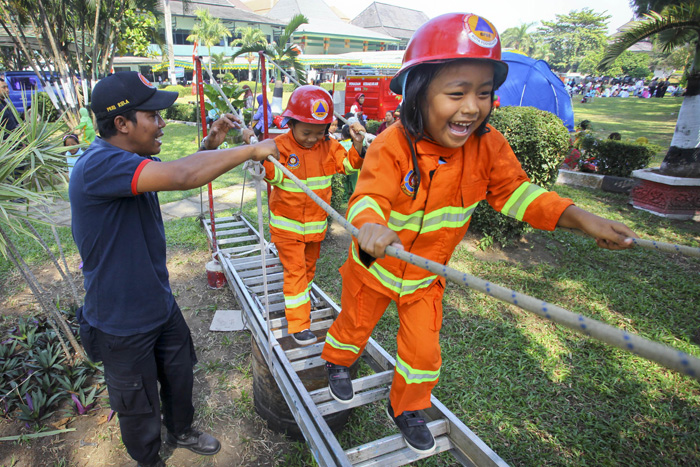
(599, 87)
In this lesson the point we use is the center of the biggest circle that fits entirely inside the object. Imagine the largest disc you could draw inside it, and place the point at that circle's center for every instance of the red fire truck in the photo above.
(379, 99)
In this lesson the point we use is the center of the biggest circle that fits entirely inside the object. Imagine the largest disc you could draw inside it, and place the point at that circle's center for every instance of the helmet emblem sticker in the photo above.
(293, 162)
(481, 31)
(409, 183)
(319, 109)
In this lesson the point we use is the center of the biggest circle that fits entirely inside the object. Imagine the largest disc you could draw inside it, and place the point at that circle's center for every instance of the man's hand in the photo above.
(374, 238)
(263, 149)
(247, 134)
(219, 130)
(357, 133)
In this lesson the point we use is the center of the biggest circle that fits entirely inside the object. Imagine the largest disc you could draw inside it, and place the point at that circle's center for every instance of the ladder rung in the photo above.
(252, 262)
(325, 324)
(392, 450)
(315, 315)
(218, 220)
(271, 277)
(256, 272)
(304, 352)
(221, 233)
(250, 241)
(270, 286)
(361, 398)
(307, 363)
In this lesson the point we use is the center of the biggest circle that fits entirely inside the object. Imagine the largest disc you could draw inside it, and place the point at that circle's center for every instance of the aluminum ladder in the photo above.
(241, 260)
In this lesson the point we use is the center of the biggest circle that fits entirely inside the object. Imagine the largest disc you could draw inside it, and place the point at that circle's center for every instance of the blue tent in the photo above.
(532, 83)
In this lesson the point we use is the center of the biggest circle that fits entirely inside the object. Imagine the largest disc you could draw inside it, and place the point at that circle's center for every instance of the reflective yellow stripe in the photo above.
(349, 169)
(363, 203)
(414, 376)
(277, 178)
(300, 228)
(390, 281)
(398, 221)
(335, 343)
(293, 301)
(447, 217)
(520, 200)
(314, 183)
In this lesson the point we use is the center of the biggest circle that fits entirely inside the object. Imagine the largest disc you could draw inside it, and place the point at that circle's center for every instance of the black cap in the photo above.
(128, 90)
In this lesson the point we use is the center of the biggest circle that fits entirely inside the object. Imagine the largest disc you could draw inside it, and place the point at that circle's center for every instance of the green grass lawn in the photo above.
(654, 119)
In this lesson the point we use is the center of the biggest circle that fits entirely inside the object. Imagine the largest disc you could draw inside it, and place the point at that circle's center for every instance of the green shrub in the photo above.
(540, 141)
(329, 86)
(618, 158)
(338, 193)
(373, 126)
(181, 112)
(182, 91)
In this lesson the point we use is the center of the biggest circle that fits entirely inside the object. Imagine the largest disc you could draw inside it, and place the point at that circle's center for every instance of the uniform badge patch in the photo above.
(481, 31)
(145, 81)
(319, 109)
(293, 162)
(409, 183)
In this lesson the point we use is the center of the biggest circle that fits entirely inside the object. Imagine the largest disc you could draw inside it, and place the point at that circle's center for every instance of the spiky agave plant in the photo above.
(675, 26)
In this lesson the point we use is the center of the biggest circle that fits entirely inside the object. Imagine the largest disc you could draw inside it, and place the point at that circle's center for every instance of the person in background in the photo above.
(85, 125)
(74, 152)
(257, 123)
(388, 120)
(248, 96)
(418, 187)
(130, 320)
(357, 108)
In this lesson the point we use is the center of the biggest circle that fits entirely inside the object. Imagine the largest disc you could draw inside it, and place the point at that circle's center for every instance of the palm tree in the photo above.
(250, 37)
(677, 25)
(518, 38)
(220, 60)
(208, 31)
(284, 53)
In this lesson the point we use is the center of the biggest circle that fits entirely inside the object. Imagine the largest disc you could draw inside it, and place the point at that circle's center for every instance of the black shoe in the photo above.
(158, 463)
(416, 434)
(195, 441)
(305, 337)
(340, 383)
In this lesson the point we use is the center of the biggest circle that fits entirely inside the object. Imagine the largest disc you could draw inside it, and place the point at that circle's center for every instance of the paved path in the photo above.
(224, 198)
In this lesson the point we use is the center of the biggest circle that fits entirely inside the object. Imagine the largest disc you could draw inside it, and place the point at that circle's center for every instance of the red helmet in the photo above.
(451, 37)
(309, 104)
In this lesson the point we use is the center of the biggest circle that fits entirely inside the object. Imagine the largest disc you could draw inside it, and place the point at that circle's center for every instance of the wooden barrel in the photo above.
(270, 403)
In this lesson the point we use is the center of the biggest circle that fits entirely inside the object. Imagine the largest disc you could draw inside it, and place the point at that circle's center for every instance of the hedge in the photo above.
(540, 141)
(182, 91)
(618, 158)
(181, 112)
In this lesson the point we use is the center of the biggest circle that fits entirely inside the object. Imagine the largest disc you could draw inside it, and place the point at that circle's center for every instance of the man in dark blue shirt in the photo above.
(130, 320)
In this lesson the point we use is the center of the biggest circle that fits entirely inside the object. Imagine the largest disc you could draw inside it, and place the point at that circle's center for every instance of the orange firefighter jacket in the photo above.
(452, 183)
(293, 214)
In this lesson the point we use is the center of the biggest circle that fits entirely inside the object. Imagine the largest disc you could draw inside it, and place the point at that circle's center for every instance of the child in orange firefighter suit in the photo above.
(420, 183)
(297, 223)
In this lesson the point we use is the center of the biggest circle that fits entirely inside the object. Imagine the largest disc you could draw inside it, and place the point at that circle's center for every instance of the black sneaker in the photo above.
(196, 441)
(414, 430)
(340, 383)
(305, 337)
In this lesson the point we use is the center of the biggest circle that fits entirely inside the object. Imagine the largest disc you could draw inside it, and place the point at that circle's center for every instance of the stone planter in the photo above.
(607, 183)
(666, 196)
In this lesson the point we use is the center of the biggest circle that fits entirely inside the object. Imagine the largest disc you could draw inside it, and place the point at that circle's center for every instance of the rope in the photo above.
(659, 353)
(653, 245)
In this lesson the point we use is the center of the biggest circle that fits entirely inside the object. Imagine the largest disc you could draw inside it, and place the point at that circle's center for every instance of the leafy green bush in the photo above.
(373, 126)
(181, 112)
(338, 193)
(540, 141)
(618, 158)
(182, 91)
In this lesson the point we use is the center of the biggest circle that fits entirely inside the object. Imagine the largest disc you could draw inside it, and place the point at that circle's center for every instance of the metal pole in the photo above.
(659, 353)
(200, 92)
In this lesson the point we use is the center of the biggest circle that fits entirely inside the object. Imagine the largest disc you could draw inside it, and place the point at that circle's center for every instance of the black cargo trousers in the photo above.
(134, 365)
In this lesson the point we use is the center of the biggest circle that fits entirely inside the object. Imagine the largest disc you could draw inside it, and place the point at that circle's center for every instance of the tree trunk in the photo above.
(169, 41)
(683, 157)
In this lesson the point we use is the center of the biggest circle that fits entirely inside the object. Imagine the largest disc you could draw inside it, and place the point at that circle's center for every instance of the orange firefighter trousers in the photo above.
(417, 339)
(299, 263)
